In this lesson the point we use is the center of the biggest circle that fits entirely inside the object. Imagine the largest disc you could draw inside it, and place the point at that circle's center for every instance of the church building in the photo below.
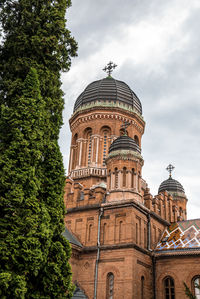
(126, 243)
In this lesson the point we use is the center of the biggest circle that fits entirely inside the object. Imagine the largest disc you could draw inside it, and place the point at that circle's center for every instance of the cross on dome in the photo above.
(124, 126)
(170, 168)
(109, 68)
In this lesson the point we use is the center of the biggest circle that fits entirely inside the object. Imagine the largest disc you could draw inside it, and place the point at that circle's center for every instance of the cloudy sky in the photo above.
(156, 45)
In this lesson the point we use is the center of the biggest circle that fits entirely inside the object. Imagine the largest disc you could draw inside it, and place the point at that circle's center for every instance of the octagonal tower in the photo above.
(96, 122)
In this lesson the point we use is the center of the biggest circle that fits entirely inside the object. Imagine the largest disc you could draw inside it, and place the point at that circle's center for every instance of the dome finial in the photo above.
(109, 68)
(170, 168)
(124, 126)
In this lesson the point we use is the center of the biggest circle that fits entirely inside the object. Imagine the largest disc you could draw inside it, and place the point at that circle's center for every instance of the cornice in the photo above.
(82, 117)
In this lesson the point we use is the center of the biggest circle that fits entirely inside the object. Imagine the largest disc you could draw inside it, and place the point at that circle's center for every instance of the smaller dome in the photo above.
(171, 185)
(124, 143)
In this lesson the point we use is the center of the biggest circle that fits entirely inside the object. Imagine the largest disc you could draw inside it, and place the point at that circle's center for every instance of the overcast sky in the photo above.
(156, 45)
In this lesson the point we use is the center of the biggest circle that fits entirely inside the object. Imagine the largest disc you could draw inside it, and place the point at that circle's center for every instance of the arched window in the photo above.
(124, 177)
(89, 151)
(110, 286)
(104, 232)
(142, 287)
(196, 286)
(109, 175)
(120, 230)
(89, 232)
(136, 139)
(138, 181)
(169, 288)
(116, 177)
(106, 132)
(132, 177)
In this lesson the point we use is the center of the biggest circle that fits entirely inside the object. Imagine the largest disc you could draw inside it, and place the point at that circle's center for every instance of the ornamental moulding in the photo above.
(103, 116)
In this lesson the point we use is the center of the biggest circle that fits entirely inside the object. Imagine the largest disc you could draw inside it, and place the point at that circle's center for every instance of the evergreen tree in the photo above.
(36, 48)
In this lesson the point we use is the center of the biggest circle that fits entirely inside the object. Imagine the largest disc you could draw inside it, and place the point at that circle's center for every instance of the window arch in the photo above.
(195, 284)
(104, 232)
(89, 232)
(120, 230)
(109, 175)
(116, 177)
(110, 286)
(124, 177)
(136, 139)
(142, 287)
(88, 137)
(132, 177)
(169, 289)
(106, 132)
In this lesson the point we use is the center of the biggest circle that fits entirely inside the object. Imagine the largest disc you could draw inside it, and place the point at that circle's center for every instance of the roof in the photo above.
(124, 143)
(179, 236)
(171, 185)
(71, 238)
(79, 294)
(108, 89)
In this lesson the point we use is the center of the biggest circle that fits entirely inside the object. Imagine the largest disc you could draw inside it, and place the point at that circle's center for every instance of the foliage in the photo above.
(36, 47)
(188, 291)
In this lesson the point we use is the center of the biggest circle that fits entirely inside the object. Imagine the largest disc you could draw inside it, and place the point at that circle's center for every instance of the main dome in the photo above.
(171, 185)
(124, 143)
(111, 91)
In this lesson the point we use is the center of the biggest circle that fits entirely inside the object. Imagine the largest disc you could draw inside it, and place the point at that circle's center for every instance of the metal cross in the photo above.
(125, 126)
(109, 68)
(170, 168)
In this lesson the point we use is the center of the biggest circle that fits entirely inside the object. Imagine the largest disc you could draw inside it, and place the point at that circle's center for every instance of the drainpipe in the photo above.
(98, 253)
(154, 276)
(148, 232)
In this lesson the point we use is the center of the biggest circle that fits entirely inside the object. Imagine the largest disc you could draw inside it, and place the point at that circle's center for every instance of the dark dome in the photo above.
(171, 185)
(124, 143)
(108, 89)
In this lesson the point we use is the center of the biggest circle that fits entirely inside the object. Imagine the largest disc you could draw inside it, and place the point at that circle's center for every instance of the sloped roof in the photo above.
(71, 238)
(179, 236)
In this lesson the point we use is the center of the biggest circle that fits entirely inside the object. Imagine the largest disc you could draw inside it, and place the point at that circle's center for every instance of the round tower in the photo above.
(99, 113)
(124, 170)
(177, 191)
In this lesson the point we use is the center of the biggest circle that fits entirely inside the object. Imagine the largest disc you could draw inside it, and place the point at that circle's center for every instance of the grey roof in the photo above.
(79, 294)
(71, 238)
(124, 143)
(171, 185)
(108, 89)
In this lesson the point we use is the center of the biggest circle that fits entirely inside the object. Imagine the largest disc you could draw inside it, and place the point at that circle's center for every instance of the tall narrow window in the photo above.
(145, 238)
(169, 288)
(196, 283)
(136, 139)
(138, 180)
(120, 230)
(116, 177)
(105, 144)
(104, 232)
(110, 286)
(142, 287)
(109, 175)
(89, 147)
(89, 232)
(124, 177)
(136, 231)
(132, 177)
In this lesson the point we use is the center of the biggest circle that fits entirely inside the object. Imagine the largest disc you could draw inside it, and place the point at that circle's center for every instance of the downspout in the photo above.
(148, 232)
(154, 276)
(98, 253)
(153, 257)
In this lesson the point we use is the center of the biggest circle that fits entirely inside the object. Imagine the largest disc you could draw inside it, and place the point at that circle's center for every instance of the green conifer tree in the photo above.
(36, 47)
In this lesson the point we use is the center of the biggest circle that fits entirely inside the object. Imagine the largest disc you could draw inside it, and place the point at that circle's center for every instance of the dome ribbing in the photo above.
(124, 143)
(171, 185)
(109, 89)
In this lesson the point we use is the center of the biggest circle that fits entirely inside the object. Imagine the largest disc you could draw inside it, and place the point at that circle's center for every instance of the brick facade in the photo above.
(111, 211)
